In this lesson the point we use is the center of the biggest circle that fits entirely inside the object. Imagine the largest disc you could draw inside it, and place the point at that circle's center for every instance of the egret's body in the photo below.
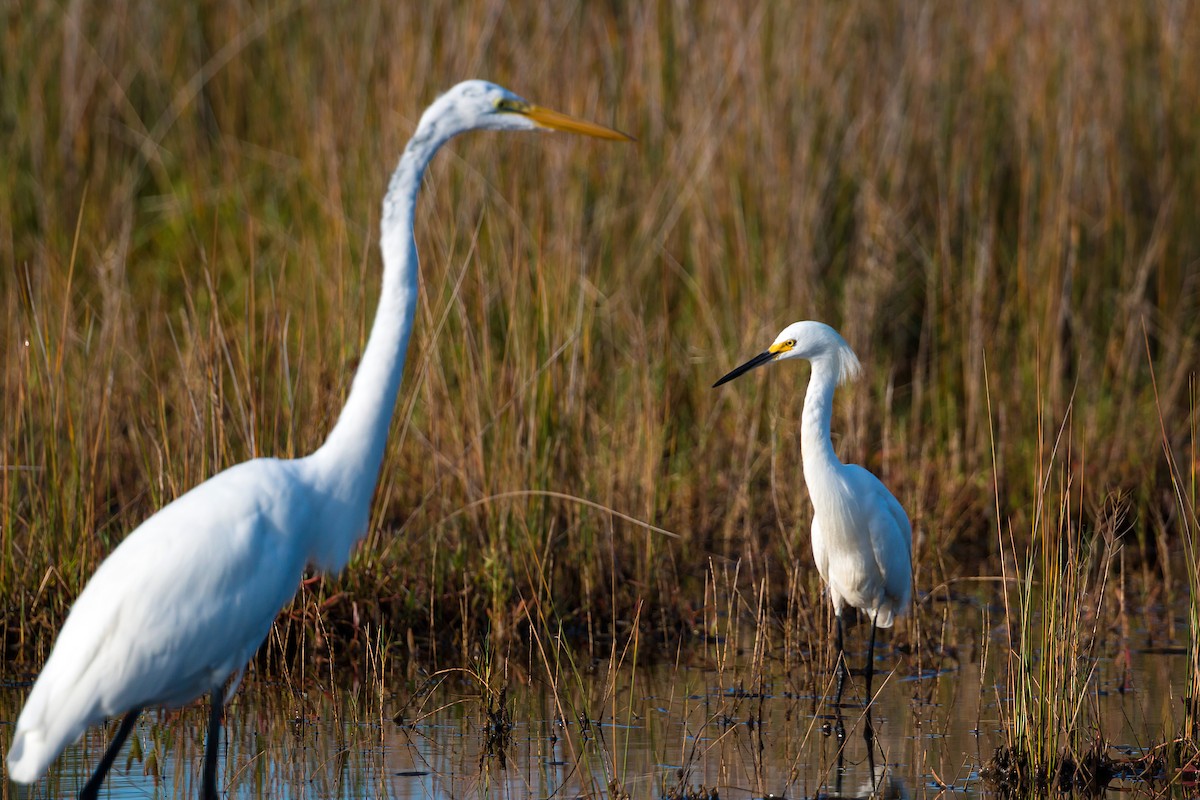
(186, 599)
(861, 537)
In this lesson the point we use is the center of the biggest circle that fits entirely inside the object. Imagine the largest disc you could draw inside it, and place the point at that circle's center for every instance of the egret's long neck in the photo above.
(347, 465)
(816, 445)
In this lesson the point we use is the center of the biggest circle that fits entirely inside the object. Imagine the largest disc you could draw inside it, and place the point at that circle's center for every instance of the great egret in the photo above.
(861, 537)
(185, 600)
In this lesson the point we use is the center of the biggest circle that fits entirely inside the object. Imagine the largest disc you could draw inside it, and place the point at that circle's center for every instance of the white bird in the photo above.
(186, 599)
(861, 537)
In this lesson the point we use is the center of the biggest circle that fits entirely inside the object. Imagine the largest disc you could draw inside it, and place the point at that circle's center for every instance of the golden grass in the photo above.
(991, 204)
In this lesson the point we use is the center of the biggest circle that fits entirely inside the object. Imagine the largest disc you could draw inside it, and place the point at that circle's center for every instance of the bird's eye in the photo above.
(790, 343)
(504, 104)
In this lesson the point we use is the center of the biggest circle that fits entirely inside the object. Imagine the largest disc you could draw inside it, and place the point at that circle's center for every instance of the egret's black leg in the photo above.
(868, 728)
(209, 787)
(92, 788)
(870, 663)
(840, 666)
(840, 772)
(871, 758)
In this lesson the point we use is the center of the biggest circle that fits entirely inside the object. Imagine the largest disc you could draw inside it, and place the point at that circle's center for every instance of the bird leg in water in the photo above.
(876, 777)
(841, 756)
(840, 665)
(92, 789)
(871, 663)
(869, 728)
(209, 787)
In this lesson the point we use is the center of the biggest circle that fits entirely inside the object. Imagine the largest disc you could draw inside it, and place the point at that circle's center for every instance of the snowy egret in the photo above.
(185, 600)
(861, 537)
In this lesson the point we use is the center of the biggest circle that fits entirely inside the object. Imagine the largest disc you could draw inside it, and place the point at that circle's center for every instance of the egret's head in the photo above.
(478, 104)
(812, 341)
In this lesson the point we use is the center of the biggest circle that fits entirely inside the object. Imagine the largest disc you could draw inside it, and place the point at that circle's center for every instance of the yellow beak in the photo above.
(557, 121)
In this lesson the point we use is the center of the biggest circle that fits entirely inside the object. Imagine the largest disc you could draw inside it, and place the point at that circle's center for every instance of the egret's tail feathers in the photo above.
(38, 741)
(28, 757)
(885, 615)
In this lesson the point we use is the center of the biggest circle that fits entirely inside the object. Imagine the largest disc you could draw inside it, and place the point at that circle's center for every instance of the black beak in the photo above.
(757, 361)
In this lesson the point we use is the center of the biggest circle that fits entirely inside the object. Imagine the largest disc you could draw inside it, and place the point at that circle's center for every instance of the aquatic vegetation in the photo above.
(1053, 619)
(1056, 625)
(675, 729)
(1186, 490)
(189, 259)
(998, 201)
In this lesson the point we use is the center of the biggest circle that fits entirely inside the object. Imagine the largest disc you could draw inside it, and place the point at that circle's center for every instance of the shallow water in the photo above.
(745, 729)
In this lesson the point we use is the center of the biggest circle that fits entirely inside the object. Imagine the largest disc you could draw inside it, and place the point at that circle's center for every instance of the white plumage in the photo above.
(186, 599)
(861, 537)
(174, 611)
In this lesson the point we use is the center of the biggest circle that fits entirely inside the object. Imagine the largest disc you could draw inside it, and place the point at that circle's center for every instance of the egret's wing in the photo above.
(819, 549)
(891, 536)
(180, 604)
(203, 613)
(900, 517)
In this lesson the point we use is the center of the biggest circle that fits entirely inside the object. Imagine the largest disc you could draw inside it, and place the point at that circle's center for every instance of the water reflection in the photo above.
(664, 732)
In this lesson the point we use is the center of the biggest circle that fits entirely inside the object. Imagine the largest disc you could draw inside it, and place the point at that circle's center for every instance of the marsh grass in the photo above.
(188, 215)
(1060, 580)
(1185, 489)
(1053, 615)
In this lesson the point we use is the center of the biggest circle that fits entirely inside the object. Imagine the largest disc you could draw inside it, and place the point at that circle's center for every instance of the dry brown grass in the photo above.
(991, 203)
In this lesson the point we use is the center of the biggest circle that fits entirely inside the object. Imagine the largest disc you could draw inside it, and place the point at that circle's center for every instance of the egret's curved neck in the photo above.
(347, 465)
(816, 445)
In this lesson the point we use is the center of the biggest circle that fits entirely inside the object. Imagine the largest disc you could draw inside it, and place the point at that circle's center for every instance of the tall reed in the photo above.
(1185, 489)
(188, 206)
(1053, 618)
